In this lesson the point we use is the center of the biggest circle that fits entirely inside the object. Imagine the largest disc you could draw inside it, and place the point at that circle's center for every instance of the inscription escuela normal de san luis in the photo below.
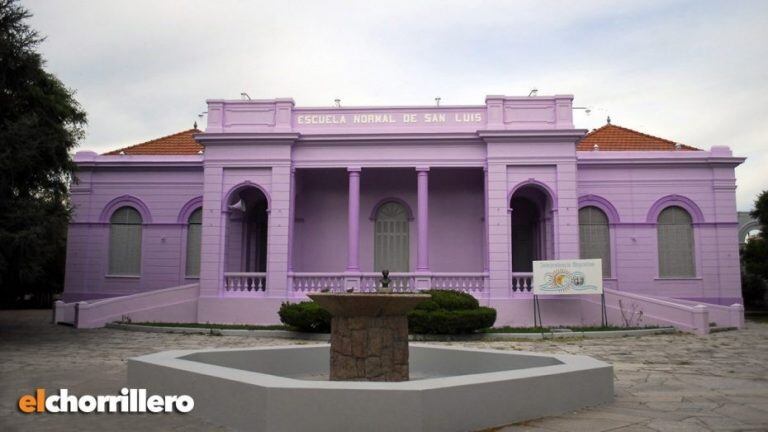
(389, 118)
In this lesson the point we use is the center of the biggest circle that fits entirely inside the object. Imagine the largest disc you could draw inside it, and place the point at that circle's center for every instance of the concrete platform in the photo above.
(452, 389)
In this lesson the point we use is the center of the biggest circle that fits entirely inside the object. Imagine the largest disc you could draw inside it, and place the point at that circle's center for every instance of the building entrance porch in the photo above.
(426, 226)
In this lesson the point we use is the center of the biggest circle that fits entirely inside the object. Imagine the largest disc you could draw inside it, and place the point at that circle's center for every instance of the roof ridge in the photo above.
(122, 149)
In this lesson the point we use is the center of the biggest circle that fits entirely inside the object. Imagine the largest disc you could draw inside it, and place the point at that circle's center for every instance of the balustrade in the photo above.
(241, 282)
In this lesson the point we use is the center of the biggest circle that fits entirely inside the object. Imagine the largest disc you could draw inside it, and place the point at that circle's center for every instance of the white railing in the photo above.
(399, 282)
(310, 282)
(242, 282)
(466, 282)
(521, 282)
(176, 304)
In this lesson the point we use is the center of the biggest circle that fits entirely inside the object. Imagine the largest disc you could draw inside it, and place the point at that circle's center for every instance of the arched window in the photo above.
(675, 231)
(391, 242)
(194, 232)
(125, 242)
(595, 237)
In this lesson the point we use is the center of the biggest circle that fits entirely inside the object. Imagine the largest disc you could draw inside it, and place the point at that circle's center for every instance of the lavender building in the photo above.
(273, 201)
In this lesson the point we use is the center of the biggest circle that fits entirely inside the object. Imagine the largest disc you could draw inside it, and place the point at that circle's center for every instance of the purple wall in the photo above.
(633, 184)
(477, 157)
(160, 192)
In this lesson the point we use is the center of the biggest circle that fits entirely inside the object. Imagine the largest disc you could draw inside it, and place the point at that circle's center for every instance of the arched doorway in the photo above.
(246, 240)
(532, 227)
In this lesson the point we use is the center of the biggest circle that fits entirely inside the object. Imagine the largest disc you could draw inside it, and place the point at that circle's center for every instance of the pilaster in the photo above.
(277, 232)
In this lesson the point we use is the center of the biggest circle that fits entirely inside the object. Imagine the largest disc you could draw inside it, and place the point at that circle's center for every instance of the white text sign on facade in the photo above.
(379, 118)
(583, 276)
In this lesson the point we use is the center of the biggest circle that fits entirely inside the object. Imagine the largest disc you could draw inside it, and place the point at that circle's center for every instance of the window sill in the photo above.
(692, 278)
(119, 276)
(192, 277)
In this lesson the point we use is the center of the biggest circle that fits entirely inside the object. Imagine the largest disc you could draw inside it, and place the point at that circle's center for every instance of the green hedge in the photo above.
(448, 300)
(306, 316)
(443, 321)
(450, 312)
(447, 312)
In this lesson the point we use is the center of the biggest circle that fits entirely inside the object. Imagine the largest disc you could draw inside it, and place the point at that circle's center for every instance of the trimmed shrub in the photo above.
(447, 312)
(450, 312)
(443, 321)
(448, 300)
(306, 316)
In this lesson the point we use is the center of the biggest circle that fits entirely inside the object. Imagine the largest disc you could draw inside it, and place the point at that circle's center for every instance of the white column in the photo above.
(352, 278)
(423, 281)
(422, 219)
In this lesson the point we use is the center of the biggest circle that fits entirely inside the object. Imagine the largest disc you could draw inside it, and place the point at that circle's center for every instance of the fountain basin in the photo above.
(451, 389)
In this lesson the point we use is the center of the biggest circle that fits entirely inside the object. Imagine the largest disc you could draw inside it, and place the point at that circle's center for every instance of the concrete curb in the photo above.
(287, 334)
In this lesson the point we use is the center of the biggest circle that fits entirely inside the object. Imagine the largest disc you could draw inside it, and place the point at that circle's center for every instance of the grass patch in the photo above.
(505, 329)
(508, 329)
(212, 326)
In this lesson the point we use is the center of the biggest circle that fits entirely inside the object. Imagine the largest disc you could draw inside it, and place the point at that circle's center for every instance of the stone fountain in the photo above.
(369, 334)
(456, 389)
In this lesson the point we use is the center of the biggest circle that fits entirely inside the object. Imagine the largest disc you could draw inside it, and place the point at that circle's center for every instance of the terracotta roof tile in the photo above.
(180, 143)
(616, 138)
(608, 138)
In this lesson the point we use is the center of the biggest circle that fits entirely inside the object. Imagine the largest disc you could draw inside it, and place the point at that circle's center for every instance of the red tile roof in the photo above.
(180, 143)
(608, 138)
(616, 138)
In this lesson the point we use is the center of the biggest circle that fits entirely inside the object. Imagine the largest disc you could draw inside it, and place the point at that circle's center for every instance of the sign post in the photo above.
(568, 277)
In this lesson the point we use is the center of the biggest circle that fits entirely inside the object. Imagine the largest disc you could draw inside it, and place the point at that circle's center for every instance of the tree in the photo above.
(40, 123)
(754, 258)
(761, 213)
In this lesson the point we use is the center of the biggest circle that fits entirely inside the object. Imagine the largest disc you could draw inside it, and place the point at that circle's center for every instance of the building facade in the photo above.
(273, 201)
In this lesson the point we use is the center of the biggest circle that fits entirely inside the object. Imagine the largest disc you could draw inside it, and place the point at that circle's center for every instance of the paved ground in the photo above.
(663, 383)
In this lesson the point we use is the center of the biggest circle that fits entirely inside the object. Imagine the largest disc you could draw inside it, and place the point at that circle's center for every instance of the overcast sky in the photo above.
(695, 71)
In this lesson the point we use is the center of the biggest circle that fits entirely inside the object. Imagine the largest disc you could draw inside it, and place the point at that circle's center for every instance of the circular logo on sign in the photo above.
(577, 278)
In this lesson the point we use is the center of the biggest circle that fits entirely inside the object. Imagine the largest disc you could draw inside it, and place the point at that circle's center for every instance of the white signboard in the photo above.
(584, 276)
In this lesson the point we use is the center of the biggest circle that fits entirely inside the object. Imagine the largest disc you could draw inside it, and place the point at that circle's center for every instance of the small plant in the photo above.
(631, 316)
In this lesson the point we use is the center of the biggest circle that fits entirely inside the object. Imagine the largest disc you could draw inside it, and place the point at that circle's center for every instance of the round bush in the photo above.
(448, 300)
(450, 312)
(442, 321)
(447, 312)
(306, 316)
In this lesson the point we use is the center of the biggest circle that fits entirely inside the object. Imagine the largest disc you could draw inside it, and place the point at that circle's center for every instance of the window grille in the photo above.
(194, 234)
(125, 242)
(595, 237)
(391, 238)
(675, 235)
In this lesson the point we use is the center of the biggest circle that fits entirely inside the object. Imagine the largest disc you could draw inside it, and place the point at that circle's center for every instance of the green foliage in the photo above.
(753, 289)
(306, 316)
(754, 259)
(40, 123)
(209, 325)
(450, 312)
(442, 321)
(447, 312)
(761, 212)
(448, 300)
